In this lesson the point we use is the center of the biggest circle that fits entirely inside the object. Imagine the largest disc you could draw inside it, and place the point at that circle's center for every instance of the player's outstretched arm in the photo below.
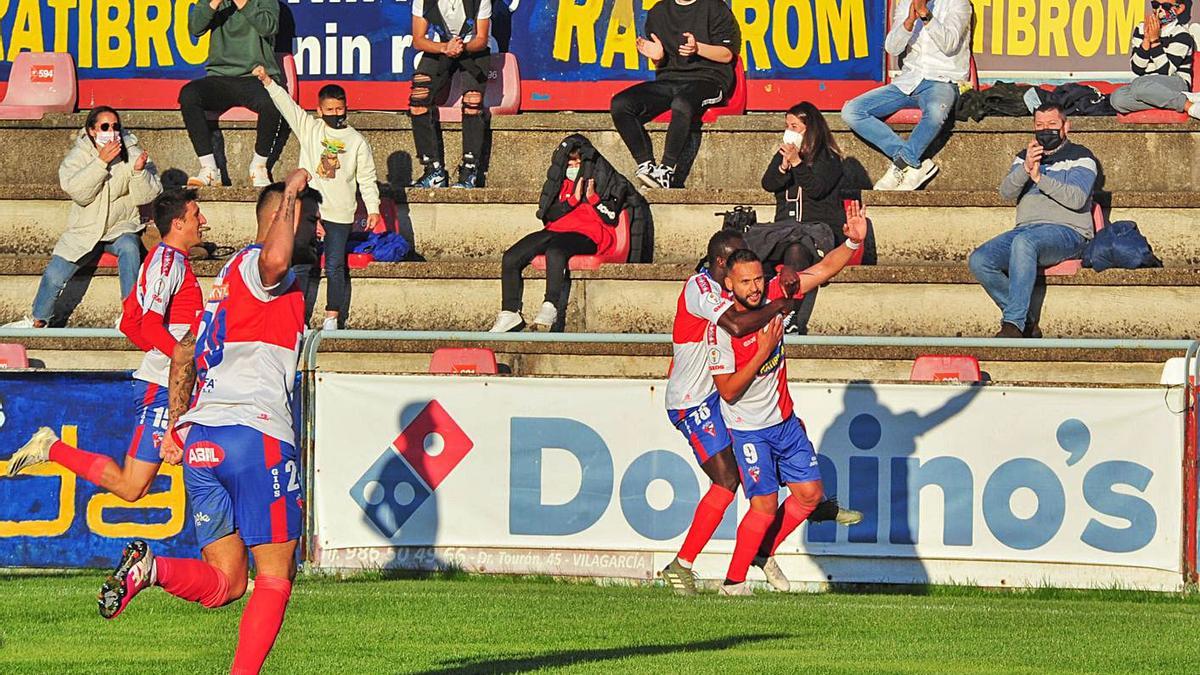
(276, 256)
(180, 384)
(835, 260)
(732, 386)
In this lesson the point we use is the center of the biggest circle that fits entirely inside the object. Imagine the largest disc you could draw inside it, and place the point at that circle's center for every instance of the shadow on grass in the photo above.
(520, 664)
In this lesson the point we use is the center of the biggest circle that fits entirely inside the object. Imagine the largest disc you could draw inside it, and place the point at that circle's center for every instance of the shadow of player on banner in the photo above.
(397, 493)
(864, 436)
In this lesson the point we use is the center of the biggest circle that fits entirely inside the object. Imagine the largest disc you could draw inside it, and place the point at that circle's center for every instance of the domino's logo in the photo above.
(411, 468)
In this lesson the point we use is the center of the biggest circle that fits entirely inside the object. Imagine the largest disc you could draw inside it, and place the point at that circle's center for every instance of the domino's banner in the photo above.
(791, 48)
(51, 518)
(991, 485)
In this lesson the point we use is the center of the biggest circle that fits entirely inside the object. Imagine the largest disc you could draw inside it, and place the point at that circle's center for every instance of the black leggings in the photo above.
(558, 248)
(218, 93)
(637, 105)
(432, 76)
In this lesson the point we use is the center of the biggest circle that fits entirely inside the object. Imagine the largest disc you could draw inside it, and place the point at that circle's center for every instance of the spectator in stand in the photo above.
(1162, 62)
(462, 28)
(242, 36)
(692, 44)
(581, 203)
(932, 41)
(107, 176)
(807, 179)
(1051, 182)
(341, 165)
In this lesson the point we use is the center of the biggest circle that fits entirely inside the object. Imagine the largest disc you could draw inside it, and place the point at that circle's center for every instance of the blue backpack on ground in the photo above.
(386, 247)
(1119, 245)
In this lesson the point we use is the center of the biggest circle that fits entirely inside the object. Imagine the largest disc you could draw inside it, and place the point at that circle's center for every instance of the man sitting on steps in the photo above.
(1051, 181)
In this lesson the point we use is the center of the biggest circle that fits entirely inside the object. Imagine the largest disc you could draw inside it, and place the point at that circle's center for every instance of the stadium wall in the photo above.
(826, 51)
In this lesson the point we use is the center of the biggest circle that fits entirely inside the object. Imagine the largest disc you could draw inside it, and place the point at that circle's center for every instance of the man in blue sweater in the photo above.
(1051, 183)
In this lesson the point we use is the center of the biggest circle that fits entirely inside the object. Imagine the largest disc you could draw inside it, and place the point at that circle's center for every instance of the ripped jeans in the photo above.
(865, 114)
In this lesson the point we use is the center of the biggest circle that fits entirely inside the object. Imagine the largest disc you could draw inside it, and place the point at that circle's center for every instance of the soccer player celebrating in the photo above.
(241, 469)
(164, 306)
(769, 442)
(692, 401)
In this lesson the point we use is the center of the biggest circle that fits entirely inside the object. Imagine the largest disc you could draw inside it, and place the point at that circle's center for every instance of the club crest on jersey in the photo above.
(754, 472)
(205, 455)
(710, 429)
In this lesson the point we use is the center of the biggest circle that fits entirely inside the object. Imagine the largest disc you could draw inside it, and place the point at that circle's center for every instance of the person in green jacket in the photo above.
(242, 36)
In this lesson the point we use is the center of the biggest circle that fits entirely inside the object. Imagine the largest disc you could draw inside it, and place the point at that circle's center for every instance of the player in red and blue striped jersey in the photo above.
(164, 306)
(236, 440)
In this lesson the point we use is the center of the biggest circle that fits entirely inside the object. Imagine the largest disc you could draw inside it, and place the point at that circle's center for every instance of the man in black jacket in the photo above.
(462, 27)
(692, 44)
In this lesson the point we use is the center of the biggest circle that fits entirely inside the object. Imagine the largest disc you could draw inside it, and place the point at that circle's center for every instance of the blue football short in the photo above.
(773, 457)
(150, 417)
(703, 427)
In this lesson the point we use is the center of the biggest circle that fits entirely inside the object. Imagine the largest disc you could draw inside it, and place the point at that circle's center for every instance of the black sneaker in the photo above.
(468, 178)
(831, 510)
(434, 177)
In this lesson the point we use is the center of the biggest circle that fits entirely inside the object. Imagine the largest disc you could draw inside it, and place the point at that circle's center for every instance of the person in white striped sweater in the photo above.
(1162, 61)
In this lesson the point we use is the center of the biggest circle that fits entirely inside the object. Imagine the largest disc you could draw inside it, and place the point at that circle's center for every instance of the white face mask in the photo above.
(791, 137)
(572, 172)
(103, 138)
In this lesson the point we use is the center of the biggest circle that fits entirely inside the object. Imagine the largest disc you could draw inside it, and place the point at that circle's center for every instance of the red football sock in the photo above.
(787, 519)
(193, 580)
(749, 535)
(260, 623)
(87, 465)
(709, 513)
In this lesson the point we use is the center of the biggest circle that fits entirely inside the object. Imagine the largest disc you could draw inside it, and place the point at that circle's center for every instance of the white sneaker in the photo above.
(1193, 110)
(735, 589)
(546, 316)
(645, 174)
(259, 176)
(330, 323)
(36, 451)
(774, 575)
(27, 322)
(507, 322)
(891, 178)
(915, 178)
(207, 177)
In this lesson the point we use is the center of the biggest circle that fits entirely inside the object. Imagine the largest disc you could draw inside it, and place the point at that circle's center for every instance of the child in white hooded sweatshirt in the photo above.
(341, 165)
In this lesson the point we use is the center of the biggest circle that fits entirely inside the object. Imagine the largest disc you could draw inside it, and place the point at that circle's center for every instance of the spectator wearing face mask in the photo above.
(1051, 182)
(806, 177)
(1162, 61)
(580, 205)
(341, 165)
(108, 176)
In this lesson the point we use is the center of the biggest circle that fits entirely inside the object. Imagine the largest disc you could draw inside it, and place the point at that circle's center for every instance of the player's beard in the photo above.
(744, 302)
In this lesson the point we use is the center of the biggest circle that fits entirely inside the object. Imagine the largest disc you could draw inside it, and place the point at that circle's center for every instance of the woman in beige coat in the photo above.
(107, 177)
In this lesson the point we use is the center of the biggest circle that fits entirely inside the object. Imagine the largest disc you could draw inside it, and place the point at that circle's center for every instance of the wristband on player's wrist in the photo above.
(853, 245)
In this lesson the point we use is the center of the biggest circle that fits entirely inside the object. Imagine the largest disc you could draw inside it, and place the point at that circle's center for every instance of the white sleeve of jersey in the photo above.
(704, 300)
(485, 10)
(253, 279)
(418, 8)
(164, 277)
(720, 351)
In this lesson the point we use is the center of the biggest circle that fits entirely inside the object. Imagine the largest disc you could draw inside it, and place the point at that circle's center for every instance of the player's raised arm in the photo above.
(732, 385)
(836, 260)
(276, 257)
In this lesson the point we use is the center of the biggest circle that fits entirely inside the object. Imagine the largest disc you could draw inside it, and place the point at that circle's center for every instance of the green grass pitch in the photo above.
(459, 624)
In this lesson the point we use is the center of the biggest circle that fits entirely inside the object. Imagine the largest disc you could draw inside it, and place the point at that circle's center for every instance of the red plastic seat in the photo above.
(619, 254)
(463, 360)
(913, 115)
(734, 105)
(13, 356)
(1164, 116)
(107, 260)
(287, 63)
(502, 96)
(1068, 268)
(38, 83)
(945, 367)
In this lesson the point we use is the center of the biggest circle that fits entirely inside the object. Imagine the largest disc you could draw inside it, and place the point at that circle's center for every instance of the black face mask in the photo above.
(1049, 139)
(335, 121)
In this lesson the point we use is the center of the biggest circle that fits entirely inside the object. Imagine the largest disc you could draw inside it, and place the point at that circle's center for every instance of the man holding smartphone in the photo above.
(692, 44)
(1051, 182)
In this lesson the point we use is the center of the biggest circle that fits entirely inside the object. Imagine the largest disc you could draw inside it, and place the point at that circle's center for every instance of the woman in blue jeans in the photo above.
(107, 176)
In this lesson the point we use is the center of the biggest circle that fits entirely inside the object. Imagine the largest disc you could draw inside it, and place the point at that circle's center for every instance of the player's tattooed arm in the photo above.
(180, 385)
(276, 256)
